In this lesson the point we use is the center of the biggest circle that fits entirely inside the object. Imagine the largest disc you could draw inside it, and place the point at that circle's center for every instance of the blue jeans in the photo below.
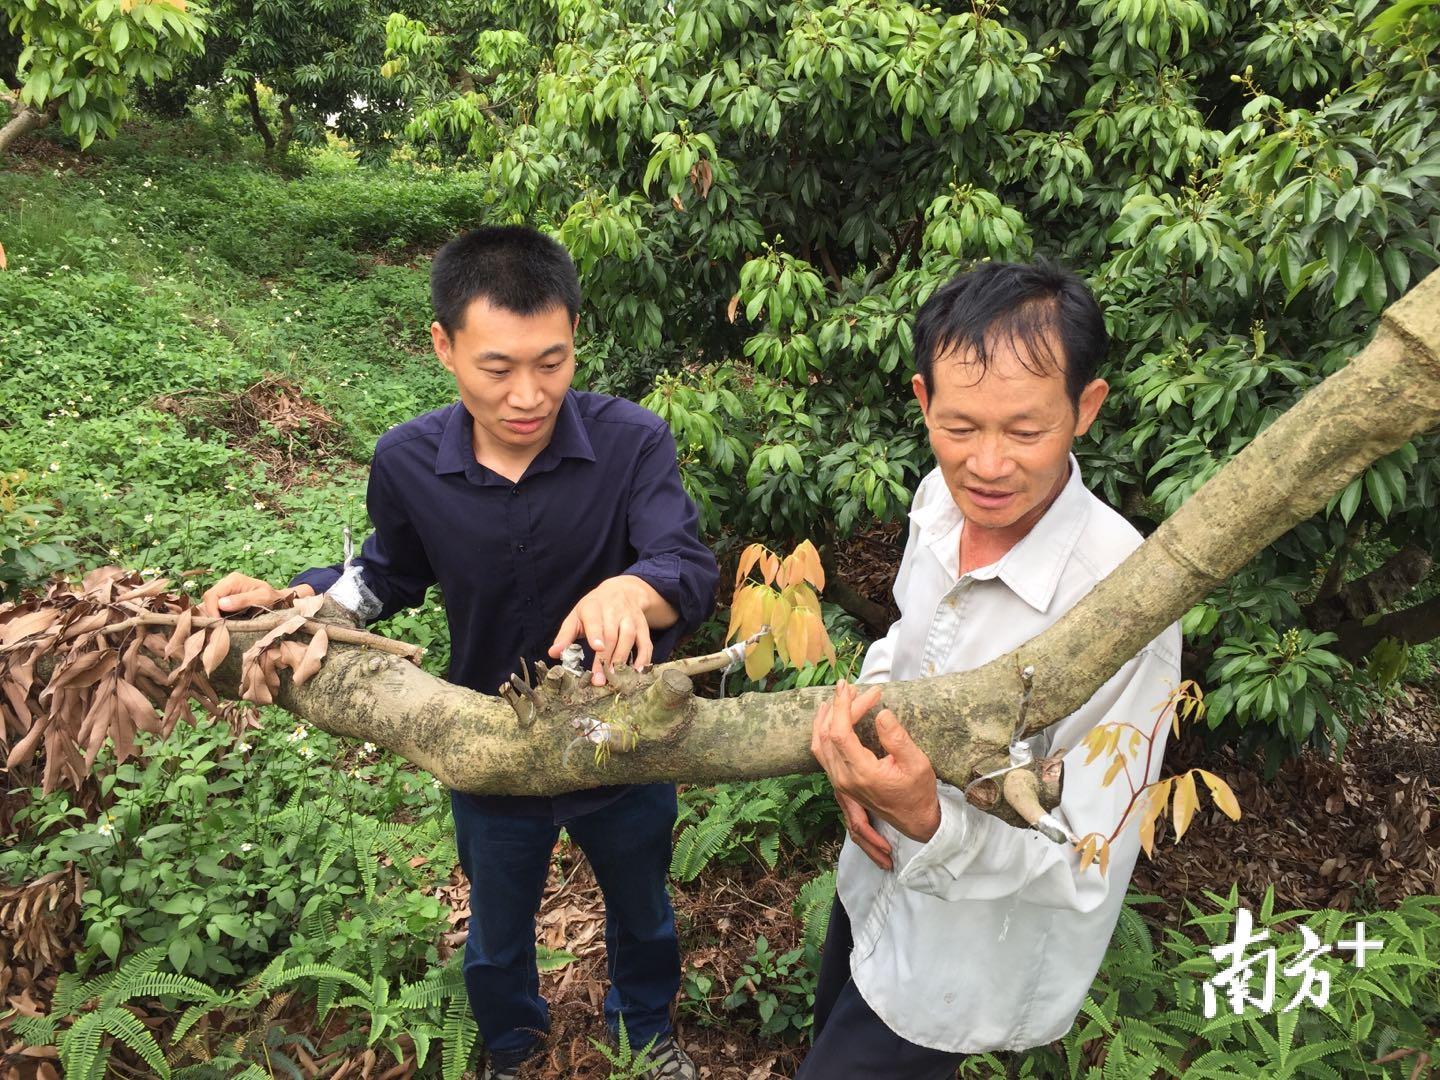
(507, 858)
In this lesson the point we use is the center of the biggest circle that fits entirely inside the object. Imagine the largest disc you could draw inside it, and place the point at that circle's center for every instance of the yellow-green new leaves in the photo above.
(786, 602)
(1187, 702)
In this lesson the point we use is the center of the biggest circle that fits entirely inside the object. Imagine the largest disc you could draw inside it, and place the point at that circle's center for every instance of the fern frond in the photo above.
(126, 1027)
(315, 971)
(83, 1055)
(812, 906)
(163, 984)
(459, 1034)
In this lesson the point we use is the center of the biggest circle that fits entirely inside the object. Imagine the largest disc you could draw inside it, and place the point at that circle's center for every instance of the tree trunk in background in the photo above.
(257, 116)
(24, 120)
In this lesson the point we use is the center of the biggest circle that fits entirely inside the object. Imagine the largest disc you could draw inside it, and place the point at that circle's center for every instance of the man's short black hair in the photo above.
(513, 267)
(1027, 306)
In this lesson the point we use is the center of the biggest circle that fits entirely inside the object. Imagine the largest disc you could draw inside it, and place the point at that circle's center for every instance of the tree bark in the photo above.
(1412, 626)
(257, 117)
(25, 120)
(287, 126)
(1387, 395)
(1383, 587)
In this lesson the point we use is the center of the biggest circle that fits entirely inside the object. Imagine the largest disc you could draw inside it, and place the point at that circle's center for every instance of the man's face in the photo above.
(1002, 437)
(512, 372)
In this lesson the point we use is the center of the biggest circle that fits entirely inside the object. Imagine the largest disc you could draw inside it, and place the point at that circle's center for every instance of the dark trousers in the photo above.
(850, 1040)
(507, 858)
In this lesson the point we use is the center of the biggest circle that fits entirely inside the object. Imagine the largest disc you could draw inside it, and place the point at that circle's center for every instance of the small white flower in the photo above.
(64, 443)
(114, 553)
(299, 733)
(54, 466)
(229, 487)
(106, 826)
(368, 747)
(305, 751)
(105, 496)
(147, 182)
(65, 267)
(247, 847)
(243, 747)
(246, 547)
(258, 505)
(269, 551)
(149, 518)
(287, 318)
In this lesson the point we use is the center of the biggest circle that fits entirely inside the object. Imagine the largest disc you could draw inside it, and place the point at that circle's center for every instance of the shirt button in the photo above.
(949, 999)
(515, 490)
(519, 547)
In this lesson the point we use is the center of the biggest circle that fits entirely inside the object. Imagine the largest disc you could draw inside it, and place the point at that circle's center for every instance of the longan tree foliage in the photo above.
(1246, 184)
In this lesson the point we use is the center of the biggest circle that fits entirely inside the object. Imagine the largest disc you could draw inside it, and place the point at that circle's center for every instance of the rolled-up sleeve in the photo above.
(664, 531)
(976, 856)
(392, 559)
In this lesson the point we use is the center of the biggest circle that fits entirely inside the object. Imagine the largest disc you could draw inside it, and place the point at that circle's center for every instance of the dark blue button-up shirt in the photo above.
(511, 559)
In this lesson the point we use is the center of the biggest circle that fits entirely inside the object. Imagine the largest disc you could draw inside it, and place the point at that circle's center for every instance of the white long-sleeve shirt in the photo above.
(988, 936)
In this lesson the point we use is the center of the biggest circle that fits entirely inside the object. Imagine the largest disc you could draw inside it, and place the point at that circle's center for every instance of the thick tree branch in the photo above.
(1383, 587)
(1388, 394)
(1412, 626)
(25, 120)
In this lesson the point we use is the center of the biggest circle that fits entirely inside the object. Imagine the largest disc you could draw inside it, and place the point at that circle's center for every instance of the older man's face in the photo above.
(1002, 436)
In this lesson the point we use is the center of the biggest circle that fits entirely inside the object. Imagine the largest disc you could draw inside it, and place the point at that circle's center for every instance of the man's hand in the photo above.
(615, 617)
(236, 592)
(898, 788)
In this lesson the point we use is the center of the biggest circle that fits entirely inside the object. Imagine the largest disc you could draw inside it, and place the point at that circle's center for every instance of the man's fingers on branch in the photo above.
(569, 631)
(644, 647)
(895, 739)
(235, 592)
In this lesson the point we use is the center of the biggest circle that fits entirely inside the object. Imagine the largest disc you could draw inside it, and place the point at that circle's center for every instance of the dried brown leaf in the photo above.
(142, 712)
(217, 648)
(314, 656)
(308, 606)
(150, 588)
(179, 635)
(28, 625)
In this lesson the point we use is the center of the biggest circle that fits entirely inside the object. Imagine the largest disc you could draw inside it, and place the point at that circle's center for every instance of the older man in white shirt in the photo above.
(954, 933)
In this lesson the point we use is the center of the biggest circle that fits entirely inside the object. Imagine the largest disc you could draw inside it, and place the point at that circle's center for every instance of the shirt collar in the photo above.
(1032, 568)
(570, 440)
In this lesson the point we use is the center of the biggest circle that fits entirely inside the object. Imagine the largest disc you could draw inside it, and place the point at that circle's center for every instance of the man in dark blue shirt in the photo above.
(545, 515)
